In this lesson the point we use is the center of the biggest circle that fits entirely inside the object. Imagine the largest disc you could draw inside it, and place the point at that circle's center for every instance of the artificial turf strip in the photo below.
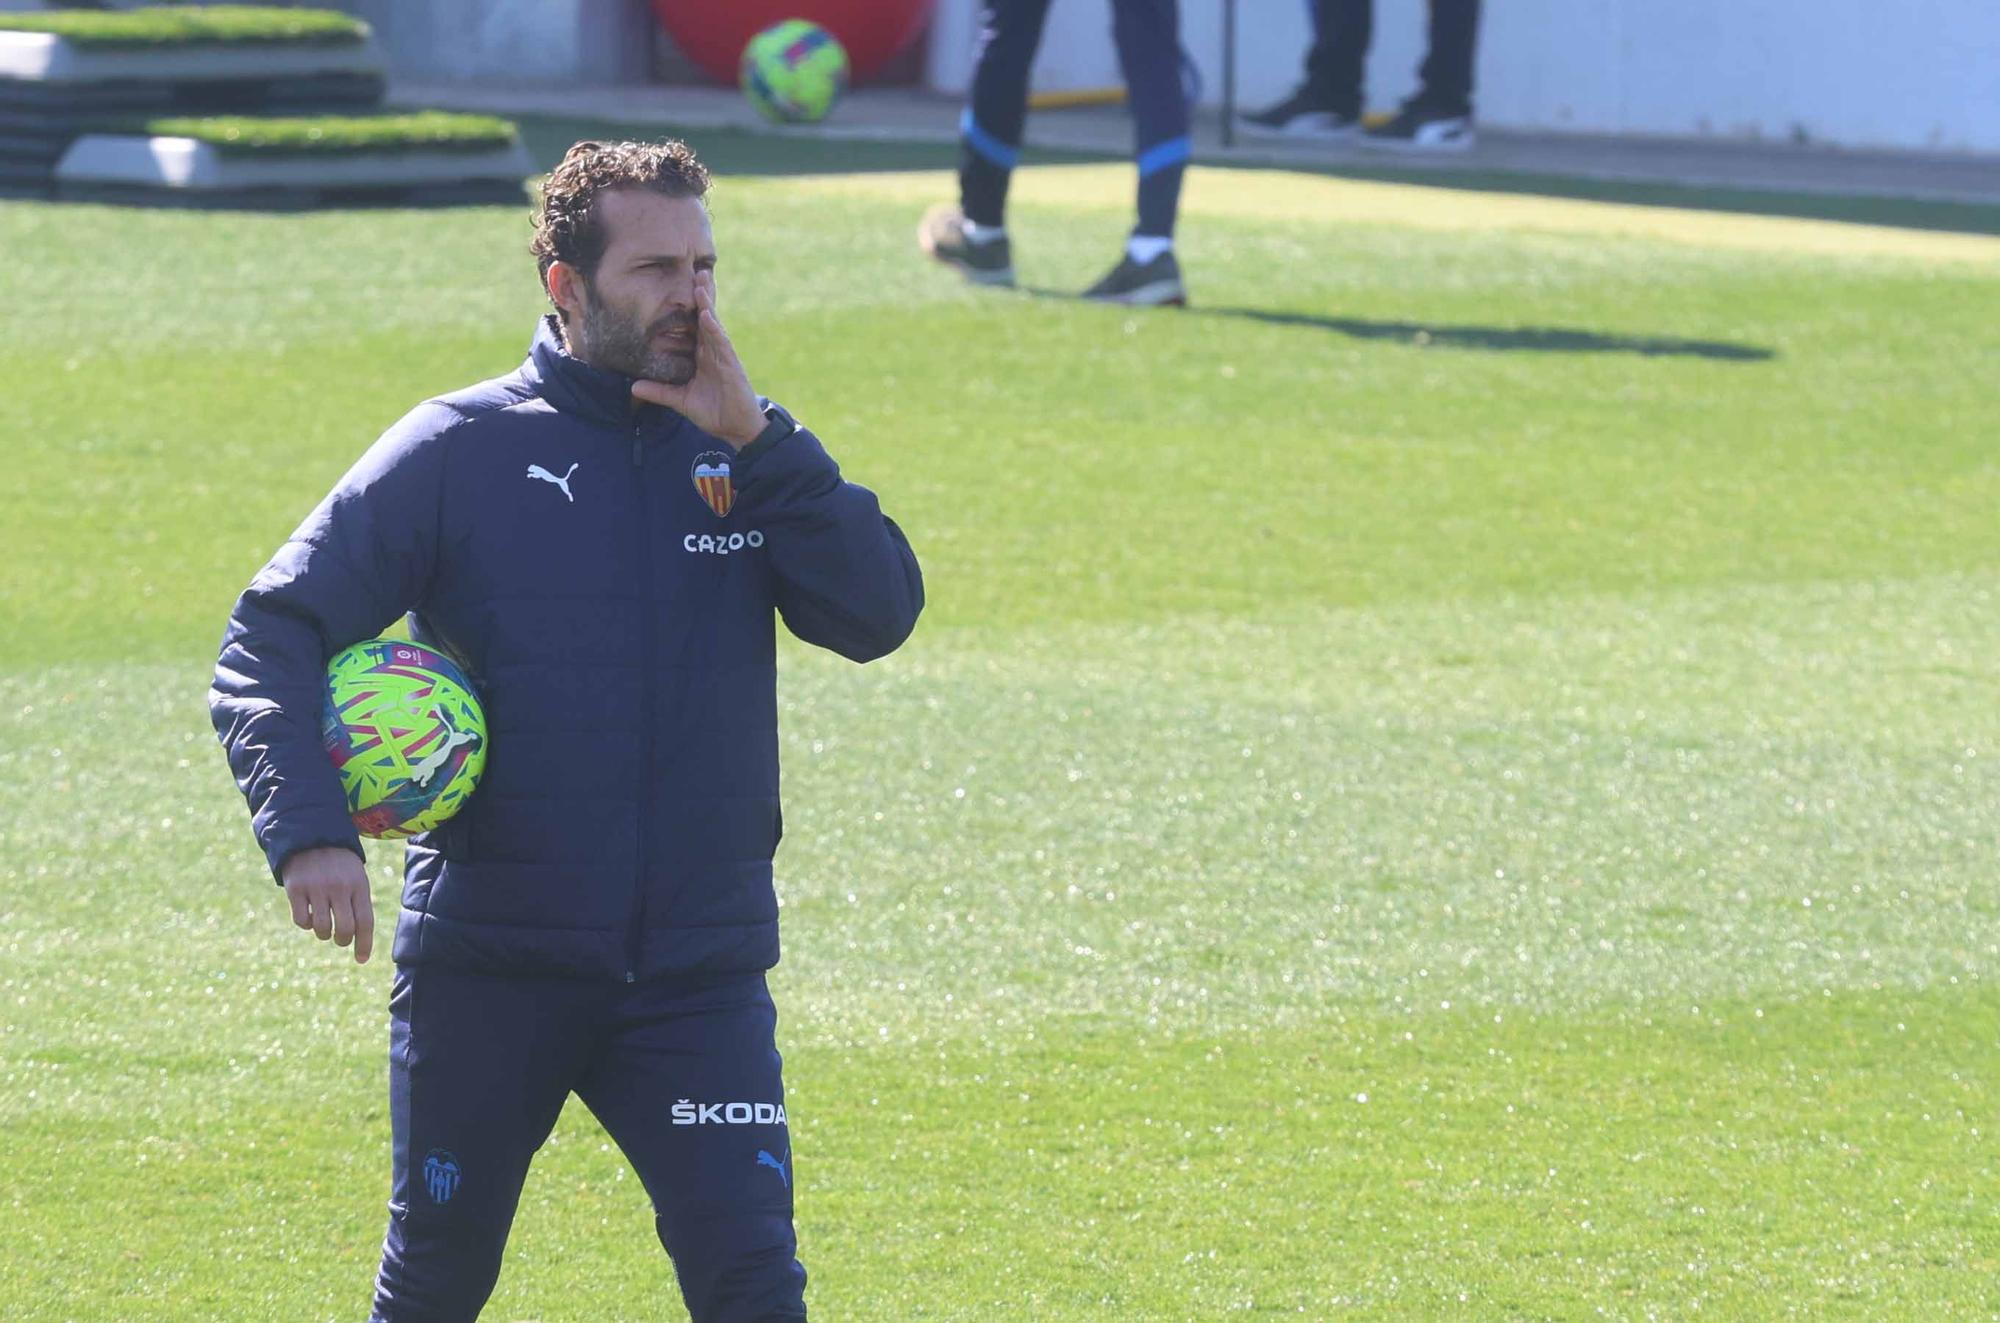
(194, 25)
(327, 135)
(1455, 780)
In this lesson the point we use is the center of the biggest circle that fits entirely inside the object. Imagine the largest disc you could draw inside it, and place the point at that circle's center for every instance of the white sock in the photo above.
(1143, 248)
(977, 233)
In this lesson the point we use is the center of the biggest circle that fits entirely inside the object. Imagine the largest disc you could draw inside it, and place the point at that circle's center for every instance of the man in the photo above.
(599, 918)
(972, 236)
(1328, 103)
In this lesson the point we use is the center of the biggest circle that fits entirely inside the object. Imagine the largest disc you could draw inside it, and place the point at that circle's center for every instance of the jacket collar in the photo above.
(574, 386)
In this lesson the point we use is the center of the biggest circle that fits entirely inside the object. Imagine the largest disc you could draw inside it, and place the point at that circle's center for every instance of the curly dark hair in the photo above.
(567, 228)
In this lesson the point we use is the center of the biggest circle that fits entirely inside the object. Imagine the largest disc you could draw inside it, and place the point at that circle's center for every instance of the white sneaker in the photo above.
(1301, 115)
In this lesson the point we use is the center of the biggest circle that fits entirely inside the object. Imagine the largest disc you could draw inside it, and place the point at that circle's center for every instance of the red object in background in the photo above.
(713, 35)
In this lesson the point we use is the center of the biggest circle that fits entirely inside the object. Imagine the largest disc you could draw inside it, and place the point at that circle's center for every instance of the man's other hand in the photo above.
(328, 889)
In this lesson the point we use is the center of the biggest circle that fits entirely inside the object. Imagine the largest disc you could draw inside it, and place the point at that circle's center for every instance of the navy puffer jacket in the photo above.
(618, 625)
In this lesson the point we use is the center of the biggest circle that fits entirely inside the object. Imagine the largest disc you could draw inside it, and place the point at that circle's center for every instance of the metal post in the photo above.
(1228, 73)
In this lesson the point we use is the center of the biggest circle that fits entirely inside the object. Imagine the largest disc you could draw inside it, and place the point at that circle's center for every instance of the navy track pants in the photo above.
(685, 1078)
(1148, 36)
(1342, 30)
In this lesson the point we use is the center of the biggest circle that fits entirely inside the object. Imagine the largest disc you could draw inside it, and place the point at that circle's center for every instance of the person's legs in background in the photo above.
(1445, 77)
(1337, 64)
(1148, 36)
(1439, 116)
(1328, 103)
(973, 236)
(991, 127)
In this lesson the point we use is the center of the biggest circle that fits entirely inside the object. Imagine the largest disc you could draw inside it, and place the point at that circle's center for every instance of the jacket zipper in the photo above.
(634, 934)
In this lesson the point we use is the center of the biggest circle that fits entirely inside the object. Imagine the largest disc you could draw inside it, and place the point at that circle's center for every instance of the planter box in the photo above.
(187, 172)
(45, 58)
(53, 89)
(61, 80)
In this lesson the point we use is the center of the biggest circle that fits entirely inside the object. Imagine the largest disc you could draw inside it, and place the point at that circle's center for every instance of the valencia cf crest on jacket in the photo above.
(712, 480)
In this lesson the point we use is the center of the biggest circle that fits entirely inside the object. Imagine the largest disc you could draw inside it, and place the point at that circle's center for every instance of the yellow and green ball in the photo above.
(794, 71)
(406, 733)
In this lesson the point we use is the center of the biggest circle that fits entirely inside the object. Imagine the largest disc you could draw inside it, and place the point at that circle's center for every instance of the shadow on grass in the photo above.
(1506, 339)
(737, 151)
(1499, 339)
(744, 152)
(1911, 213)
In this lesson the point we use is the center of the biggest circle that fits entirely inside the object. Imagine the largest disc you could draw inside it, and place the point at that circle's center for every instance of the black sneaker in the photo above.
(1303, 114)
(1151, 284)
(1419, 129)
(942, 235)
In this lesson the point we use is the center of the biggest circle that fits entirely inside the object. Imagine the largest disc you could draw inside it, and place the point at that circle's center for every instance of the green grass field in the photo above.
(1455, 779)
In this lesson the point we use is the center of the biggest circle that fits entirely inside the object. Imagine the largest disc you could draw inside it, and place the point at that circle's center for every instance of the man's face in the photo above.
(639, 315)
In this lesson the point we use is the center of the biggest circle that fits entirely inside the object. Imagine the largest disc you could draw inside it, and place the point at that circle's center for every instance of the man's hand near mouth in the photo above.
(718, 398)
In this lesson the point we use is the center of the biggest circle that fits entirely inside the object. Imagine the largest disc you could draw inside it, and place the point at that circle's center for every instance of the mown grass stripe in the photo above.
(193, 25)
(318, 135)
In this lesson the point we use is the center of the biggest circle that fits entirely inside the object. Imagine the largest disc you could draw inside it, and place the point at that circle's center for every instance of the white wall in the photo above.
(1076, 51)
(537, 41)
(1889, 73)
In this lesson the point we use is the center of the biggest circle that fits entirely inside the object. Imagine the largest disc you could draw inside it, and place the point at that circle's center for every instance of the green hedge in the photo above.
(194, 25)
(313, 135)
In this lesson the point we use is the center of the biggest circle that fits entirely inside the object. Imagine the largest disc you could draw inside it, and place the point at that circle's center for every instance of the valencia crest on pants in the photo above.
(441, 1176)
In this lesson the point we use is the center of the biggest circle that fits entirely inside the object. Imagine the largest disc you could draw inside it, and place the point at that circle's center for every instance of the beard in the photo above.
(619, 343)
